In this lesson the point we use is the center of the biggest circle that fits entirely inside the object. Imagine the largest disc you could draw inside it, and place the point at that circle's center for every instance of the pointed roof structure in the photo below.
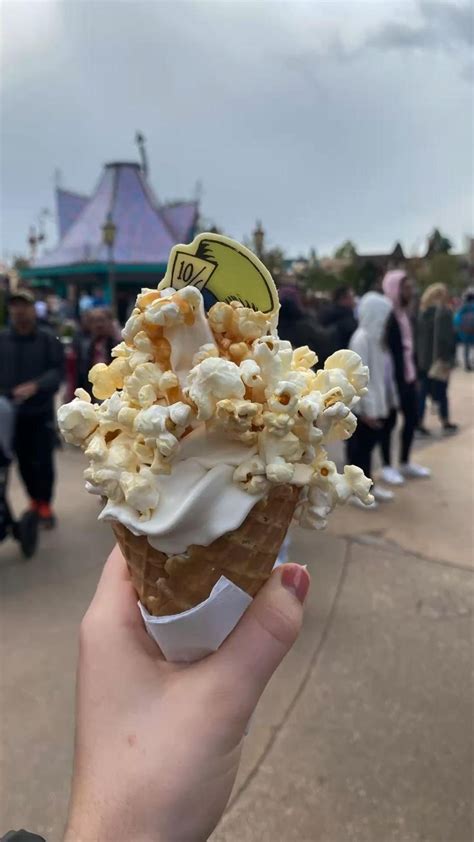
(145, 230)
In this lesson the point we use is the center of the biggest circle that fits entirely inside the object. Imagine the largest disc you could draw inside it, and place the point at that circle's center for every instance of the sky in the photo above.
(327, 120)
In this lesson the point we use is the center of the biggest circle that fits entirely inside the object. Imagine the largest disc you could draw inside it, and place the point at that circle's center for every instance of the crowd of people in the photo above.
(410, 347)
(410, 352)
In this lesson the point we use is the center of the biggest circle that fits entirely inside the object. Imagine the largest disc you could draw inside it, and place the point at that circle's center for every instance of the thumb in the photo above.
(265, 634)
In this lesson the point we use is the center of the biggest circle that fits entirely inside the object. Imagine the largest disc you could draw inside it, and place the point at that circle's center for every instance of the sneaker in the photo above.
(413, 471)
(382, 495)
(391, 476)
(46, 517)
(449, 429)
(354, 501)
(422, 432)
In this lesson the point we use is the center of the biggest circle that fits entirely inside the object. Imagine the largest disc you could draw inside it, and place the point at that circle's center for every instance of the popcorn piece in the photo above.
(249, 324)
(77, 419)
(250, 475)
(303, 358)
(146, 297)
(353, 482)
(133, 325)
(220, 317)
(205, 351)
(140, 491)
(337, 422)
(236, 418)
(211, 381)
(351, 364)
(103, 385)
(145, 375)
(284, 398)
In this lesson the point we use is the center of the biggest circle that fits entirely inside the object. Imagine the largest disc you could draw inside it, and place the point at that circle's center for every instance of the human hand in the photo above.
(25, 390)
(158, 744)
(373, 423)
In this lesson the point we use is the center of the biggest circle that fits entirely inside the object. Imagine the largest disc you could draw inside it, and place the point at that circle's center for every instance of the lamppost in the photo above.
(258, 239)
(109, 232)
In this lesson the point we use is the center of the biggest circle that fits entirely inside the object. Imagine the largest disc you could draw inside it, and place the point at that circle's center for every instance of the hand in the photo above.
(373, 423)
(25, 391)
(158, 744)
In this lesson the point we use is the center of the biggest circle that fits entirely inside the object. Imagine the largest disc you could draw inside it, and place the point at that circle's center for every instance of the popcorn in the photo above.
(205, 351)
(236, 418)
(140, 492)
(211, 381)
(251, 387)
(250, 475)
(354, 370)
(303, 358)
(78, 419)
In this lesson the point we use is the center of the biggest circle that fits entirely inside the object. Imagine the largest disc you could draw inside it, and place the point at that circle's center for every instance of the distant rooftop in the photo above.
(145, 230)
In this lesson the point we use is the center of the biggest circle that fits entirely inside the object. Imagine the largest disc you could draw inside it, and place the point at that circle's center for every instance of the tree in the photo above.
(438, 244)
(274, 261)
(316, 278)
(346, 252)
(444, 269)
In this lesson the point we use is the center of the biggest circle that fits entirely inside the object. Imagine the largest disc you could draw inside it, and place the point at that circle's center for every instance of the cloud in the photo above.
(443, 26)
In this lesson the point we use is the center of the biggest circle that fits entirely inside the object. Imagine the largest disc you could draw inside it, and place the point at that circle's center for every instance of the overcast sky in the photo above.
(327, 120)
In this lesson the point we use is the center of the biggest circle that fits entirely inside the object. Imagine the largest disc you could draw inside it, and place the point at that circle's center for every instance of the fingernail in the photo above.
(295, 579)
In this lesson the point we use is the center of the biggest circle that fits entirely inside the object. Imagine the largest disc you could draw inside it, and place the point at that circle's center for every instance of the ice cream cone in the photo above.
(172, 584)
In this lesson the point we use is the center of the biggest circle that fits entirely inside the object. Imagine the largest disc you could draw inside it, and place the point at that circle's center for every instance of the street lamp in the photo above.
(258, 239)
(109, 232)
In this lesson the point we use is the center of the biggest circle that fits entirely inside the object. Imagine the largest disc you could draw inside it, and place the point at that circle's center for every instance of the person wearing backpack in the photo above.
(464, 324)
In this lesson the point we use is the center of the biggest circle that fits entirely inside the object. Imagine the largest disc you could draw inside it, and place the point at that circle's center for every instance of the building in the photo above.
(117, 239)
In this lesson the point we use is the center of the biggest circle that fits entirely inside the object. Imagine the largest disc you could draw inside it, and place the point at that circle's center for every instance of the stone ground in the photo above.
(365, 731)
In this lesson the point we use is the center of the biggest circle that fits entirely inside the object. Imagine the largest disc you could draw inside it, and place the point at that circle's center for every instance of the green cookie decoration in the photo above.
(223, 270)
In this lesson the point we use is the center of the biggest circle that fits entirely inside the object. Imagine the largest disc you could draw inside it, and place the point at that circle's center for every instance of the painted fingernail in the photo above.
(295, 579)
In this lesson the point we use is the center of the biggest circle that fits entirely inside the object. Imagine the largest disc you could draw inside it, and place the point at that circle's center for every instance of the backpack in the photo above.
(466, 323)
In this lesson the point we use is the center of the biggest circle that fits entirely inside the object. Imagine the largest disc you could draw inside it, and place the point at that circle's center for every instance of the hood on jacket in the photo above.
(374, 310)
(391, 285)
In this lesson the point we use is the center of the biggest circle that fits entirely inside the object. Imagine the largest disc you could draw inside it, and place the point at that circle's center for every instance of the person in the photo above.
(158, 744)
(398, 287)
(436, 353)
(369, 342)
(93, 344)
(297, 328)
(31, 370)
(339, 317)
(464, 324)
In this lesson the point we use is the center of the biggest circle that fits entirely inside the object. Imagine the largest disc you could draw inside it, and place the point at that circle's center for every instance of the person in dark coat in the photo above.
(436, 353)
(339, 317)
(297, 328)
(398, 287)
(31, 371)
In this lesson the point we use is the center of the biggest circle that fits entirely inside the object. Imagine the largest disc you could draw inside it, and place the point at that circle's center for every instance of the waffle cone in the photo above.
(172, 584)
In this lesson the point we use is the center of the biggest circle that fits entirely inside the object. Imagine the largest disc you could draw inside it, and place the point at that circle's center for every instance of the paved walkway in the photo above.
(364, 733)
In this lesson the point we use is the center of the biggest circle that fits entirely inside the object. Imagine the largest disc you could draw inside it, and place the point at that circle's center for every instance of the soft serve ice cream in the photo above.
(202, 414)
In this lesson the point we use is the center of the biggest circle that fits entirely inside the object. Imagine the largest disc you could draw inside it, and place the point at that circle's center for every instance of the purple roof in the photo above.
(145, 232)
(69, 206)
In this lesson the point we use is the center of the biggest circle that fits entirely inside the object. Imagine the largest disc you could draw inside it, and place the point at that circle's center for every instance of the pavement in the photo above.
(365, 732)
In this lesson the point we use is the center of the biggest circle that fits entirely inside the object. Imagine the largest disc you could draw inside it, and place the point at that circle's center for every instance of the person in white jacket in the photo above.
(369, 342)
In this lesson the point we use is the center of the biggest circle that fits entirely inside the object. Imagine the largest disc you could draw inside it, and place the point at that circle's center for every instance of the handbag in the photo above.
(440, 370)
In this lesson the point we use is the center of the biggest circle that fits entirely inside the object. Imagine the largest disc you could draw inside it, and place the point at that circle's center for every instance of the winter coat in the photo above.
(436, 338)
(342, 323)
(369, 342)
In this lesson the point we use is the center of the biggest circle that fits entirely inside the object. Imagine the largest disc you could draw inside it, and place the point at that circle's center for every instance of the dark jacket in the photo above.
(395, 346)
(39, 357)
(296, 328)
(436, 338)
(341, 321)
